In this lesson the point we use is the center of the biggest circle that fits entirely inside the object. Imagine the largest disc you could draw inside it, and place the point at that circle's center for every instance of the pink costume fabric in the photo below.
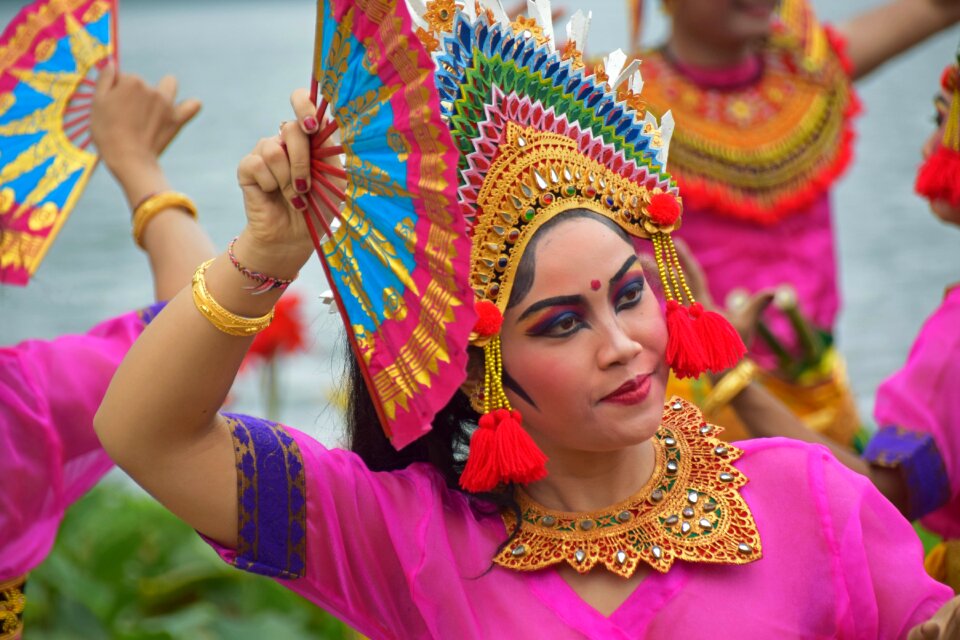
(918, 410)
(797, 250)
(400, 555)
(49, 453)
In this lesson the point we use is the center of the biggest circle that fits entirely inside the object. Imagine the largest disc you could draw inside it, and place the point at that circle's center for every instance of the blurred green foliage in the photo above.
(124, 568)
(927, 538)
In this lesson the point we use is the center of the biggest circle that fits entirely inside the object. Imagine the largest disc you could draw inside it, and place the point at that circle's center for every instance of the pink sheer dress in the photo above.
(49, 453)
(400, 555)
(918, 410)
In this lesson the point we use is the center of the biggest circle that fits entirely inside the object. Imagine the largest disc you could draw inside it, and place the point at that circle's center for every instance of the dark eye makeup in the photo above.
(630, 292)
(560, 323)
(563, 321)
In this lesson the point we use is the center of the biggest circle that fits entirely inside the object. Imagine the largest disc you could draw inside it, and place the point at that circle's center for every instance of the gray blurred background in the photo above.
(243, 58)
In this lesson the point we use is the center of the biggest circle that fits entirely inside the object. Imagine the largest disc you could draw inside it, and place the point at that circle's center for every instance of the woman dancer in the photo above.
(763, 101)
(50, 390)
(623, 516)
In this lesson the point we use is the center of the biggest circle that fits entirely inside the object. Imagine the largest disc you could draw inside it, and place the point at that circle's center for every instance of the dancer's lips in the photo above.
(632, 391)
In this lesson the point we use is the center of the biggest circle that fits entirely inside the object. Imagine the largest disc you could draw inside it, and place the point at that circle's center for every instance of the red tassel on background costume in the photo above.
(939, 177)
(501, 451)
(685, 353)
(722, 345)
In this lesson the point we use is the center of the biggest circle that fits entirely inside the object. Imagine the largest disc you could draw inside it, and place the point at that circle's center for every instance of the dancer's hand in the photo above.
(745, 311)
(275, 179)
(944, 625)
(132, 122)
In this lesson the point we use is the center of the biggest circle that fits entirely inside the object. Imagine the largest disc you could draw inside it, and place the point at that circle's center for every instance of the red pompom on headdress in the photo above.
(663, 209)
(949, 78)
(489, 319)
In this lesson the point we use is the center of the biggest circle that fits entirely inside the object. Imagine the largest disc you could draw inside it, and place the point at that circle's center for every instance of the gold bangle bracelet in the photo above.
(152, 205)
(225, 321)
(730, 385)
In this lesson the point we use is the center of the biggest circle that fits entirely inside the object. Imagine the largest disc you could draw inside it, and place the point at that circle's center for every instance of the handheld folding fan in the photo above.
(398, 259)
(46, 55)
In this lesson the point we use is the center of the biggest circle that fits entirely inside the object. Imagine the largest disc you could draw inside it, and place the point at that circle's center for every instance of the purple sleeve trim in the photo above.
(271, 499)
(147, 314)
(916, 453)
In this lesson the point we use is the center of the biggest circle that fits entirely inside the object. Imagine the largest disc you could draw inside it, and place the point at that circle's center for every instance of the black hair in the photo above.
(446, 445)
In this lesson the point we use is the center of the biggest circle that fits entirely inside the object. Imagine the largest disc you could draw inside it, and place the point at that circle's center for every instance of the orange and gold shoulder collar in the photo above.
(764, 150)
(690, 509)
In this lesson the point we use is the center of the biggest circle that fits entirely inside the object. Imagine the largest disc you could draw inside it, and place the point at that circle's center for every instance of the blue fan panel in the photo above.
(384, 213)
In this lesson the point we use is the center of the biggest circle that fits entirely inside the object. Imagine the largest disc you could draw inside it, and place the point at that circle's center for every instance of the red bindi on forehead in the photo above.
(595, 285)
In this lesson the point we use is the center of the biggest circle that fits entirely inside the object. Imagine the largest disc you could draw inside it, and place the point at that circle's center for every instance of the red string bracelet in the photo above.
(266, 283)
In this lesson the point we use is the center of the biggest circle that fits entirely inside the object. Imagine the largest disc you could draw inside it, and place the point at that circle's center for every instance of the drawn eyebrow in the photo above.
(551, 302)
(626, 265)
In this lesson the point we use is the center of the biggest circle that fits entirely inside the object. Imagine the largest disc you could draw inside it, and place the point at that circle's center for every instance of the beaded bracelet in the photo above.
(153, 204)
(266, 283)
(730, 385)
(223, 320)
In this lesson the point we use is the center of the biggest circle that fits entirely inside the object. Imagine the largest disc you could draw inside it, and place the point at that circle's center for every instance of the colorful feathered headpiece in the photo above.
(540, 134)
(939, 176)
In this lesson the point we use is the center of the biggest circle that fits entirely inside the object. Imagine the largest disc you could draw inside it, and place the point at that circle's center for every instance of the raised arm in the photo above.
(132, 124)
(159, 419)
(885, 31)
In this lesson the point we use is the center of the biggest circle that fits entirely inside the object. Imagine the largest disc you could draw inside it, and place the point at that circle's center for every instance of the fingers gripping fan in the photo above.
(47, 53)
(396, 252)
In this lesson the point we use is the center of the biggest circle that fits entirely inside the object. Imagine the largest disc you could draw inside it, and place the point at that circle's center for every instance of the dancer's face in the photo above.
(584, 348)
(723, 22)
(941, 208)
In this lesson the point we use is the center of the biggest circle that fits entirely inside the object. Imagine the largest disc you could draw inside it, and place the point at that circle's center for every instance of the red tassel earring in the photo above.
(501, 451)
(698, 340)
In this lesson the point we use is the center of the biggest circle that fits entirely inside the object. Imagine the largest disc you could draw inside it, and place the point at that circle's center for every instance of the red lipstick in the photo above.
(632, 391)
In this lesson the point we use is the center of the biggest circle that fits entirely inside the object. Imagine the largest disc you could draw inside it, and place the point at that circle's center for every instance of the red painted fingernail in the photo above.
(310, 123)
(300, 185)
(298, 202)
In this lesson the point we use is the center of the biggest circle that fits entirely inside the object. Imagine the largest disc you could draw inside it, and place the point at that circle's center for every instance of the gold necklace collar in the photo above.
(690, 509)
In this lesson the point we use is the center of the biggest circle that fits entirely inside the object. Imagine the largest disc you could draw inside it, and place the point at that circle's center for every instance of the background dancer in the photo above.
(762, 96)
(912, 458)
(50, 390)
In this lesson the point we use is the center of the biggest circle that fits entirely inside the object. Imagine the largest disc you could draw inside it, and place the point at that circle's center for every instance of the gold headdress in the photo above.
(538, 135)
